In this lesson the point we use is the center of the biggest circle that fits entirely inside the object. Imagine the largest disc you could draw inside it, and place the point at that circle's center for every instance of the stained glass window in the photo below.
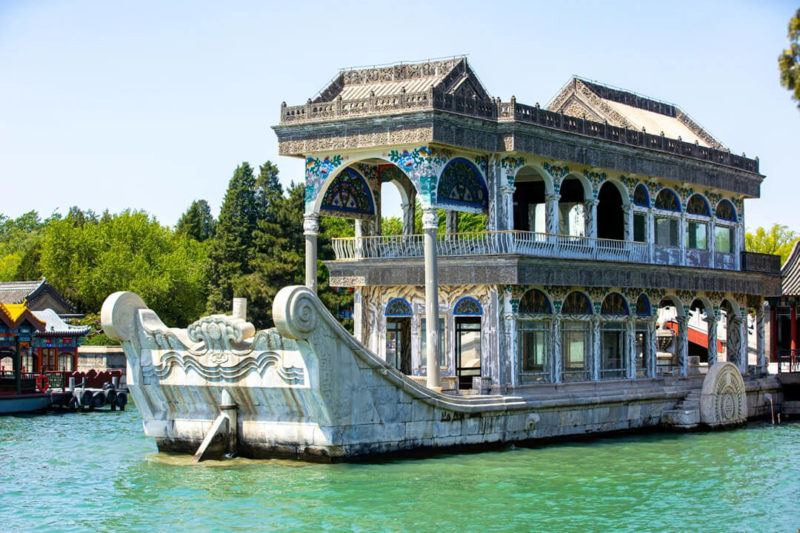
(398, 307)
(349, 193)
(534, 301)
(668, 200)
(614, 304)
(576, 303)
(461, 184)
(697, 206)
(640, 196)
(468, 307)
(725, 211)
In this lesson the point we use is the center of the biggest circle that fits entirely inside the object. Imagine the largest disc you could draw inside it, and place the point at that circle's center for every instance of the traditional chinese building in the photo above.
(37, 295)
(599, 209)
(785, 335)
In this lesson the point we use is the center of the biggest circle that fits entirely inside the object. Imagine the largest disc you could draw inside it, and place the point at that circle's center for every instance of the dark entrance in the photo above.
(398, 343)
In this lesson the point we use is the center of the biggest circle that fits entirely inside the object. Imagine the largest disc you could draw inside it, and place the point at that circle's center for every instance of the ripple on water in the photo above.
(97, 471)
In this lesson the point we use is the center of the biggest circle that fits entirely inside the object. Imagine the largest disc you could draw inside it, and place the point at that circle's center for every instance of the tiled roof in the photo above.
(16, 292)
(55, 326)
(790, 273)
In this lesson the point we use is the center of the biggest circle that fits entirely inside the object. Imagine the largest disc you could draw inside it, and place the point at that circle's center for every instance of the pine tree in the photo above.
(229, 257)
(197, 222)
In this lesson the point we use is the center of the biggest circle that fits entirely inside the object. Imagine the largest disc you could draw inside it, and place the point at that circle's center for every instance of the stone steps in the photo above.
(686, 414)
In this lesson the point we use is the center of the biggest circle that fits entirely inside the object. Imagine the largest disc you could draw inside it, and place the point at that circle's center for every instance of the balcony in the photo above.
(515, 242)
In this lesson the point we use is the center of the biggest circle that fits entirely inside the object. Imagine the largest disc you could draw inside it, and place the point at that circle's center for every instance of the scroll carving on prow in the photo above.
(294, 312)
(119, 315)
(723, 401)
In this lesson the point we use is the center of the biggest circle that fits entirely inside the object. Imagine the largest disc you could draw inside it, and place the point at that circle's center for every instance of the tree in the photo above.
(231, 249)
(197, 222)
(778, 240)
(20, 240)
(789, 60)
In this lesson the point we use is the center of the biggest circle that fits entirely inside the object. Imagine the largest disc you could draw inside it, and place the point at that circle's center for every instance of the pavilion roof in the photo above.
(15, 314)
(625, 109)
(790, 273)
(452, 75)
(55, 326)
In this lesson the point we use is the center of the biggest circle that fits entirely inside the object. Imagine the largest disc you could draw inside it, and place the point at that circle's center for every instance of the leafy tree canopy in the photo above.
(789, 60)
(777, 240)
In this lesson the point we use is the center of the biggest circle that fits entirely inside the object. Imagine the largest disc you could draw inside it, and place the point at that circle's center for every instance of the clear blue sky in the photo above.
(150, 105)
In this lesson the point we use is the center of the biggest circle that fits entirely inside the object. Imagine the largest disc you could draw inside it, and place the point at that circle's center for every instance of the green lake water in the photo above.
(98, 472)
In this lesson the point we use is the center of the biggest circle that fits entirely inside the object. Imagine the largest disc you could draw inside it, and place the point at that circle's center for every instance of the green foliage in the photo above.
(391, 226)
(778, 240)
(197, 222)
(20, 239)
(87, 259)
(471, 222)
(789, 60)
(97, 336)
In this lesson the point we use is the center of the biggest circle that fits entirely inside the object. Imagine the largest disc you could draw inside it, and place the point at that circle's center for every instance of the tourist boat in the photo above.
(547, 321)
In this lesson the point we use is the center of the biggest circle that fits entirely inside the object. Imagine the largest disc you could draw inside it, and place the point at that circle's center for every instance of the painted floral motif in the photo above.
(614, 304)
(421, 165)
(596, 178)
(349, 193)
(398, 307)
(317, 171)
(715, 297)
(555, 171)
(534, 301)
(370, 172)
(685, 192)
(557, 292)
(629, 182)
(656, 295)
(390, 173)
(739, 203)
(468, 307)
(483, 163)
(597, 293)
(461, 184)
(713, 197)
(653, 187)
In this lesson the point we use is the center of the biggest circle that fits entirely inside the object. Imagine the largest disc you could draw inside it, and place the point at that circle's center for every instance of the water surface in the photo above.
(98, 472)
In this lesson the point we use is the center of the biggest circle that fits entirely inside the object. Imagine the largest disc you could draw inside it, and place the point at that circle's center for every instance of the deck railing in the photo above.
(788, 361)
(492, 243)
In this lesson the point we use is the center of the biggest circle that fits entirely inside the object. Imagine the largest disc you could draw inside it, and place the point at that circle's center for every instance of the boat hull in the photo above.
(24, 403)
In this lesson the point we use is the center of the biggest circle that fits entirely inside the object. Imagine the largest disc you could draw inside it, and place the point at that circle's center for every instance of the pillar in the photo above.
(429, 227)
(627, 213)
(738, 244)
(556, 350)
(652, 345)
(594, 360)
(793, 327)
(773, 333)
(712, 241)
(590, 212)
(311, 230)
(551, 213)
(507, 195)
(631, 342)
(451, 221)
(761, 340)
(408, 214)
(17, 366)
(651, 235)
(711, 322)
(683, 343)
(743, 344)
(682, 238)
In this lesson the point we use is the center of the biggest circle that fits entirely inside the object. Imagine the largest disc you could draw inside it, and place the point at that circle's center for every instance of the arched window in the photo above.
(461, 185)
(642, 306)
(535, 301)
(697, 206)
(576, 303)
(398, 307)
(725, 211)
(614, 304)
(667, 228)
(667, 200)
(640, 196)
(468, 306)
(724, 235)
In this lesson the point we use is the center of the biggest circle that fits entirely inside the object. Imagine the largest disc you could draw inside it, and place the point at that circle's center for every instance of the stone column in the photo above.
(590, 212)
(682, 238)
(738, 245)
(594, 360)
(627, 213)
(551, 213)
(507, 195)
(733, 346)
(652, 347)
(408, 214)
(631, 338)
(711, 322)
(743, 347)
(556, 349)
(761, 331)
(651, 235)
(311, 230)
(429, 227)
(683, 343)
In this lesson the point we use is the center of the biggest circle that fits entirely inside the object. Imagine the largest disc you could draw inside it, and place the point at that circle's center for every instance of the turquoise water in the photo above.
(98, 472)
